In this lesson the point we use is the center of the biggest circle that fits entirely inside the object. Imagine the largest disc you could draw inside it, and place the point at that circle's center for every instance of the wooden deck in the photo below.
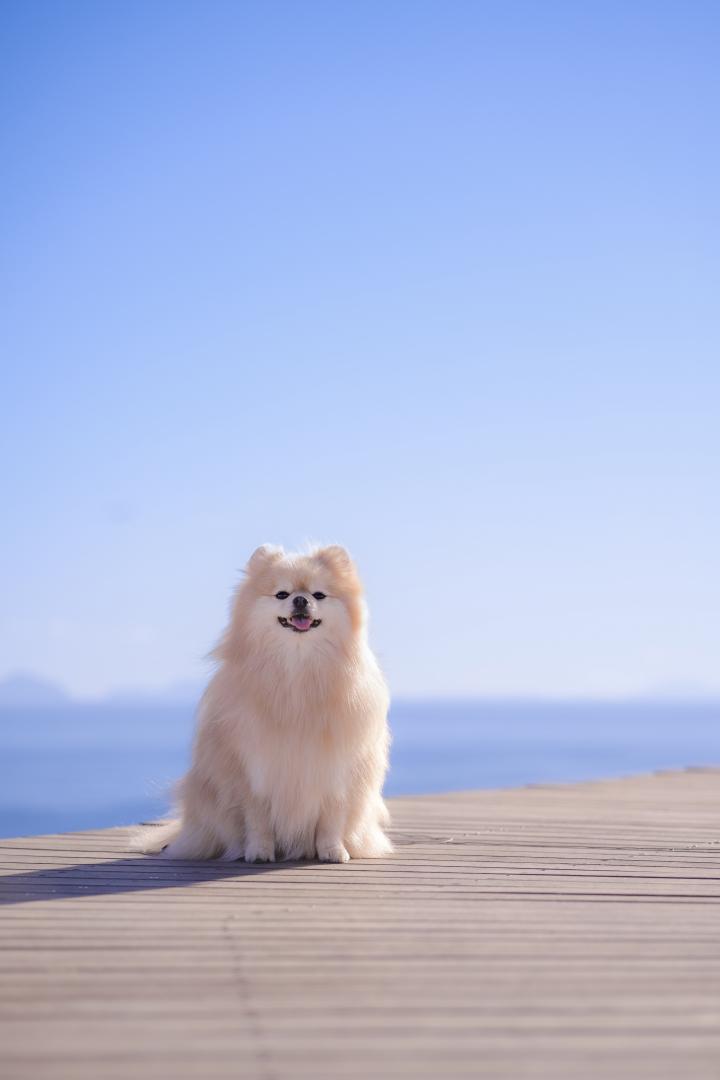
(557, 932)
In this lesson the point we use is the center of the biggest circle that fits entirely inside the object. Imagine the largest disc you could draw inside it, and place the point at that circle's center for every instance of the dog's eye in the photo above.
(319, 595)
(281, 595)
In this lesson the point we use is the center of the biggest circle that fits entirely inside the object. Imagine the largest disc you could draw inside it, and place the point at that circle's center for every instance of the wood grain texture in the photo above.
(568, 931)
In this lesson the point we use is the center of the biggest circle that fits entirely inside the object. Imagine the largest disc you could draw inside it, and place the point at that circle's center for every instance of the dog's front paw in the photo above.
(333, 853)
(257, 851)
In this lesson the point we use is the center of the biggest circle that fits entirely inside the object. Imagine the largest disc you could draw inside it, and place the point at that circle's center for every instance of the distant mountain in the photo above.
(24, 689)
(20, 688)
(184, 692)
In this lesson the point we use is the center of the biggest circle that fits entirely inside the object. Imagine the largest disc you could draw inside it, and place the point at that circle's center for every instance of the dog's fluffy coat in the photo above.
(292, 740)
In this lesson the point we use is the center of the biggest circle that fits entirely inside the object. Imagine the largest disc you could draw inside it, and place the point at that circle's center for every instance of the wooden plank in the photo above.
(565, 931)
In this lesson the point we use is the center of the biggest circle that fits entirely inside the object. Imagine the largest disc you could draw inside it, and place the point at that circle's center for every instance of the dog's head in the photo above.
(299, 599)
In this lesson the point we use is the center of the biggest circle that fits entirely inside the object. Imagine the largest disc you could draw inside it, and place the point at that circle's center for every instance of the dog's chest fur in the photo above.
(297, 773)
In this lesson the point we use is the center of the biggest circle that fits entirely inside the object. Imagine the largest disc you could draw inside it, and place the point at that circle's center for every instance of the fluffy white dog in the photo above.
(292, 741)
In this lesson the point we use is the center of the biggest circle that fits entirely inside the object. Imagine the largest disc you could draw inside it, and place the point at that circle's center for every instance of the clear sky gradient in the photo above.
(435, 280)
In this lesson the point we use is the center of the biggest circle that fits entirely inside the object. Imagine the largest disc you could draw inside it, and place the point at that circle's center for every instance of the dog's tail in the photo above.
(152, 839)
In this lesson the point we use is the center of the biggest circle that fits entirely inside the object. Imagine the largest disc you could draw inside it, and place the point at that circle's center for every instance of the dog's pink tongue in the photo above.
(302, 622)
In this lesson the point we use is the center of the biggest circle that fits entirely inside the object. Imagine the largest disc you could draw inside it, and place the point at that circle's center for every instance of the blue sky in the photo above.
(438, 281)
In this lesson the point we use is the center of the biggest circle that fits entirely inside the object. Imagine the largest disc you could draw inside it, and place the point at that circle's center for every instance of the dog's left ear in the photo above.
(337, 557)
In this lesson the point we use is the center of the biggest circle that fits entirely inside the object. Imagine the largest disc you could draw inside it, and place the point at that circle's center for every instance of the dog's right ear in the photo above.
(263, 557)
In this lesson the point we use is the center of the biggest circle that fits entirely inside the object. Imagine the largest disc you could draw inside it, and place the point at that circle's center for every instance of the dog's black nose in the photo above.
(300, 602)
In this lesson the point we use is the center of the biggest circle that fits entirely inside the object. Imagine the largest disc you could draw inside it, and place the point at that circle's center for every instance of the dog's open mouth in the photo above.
(299, 623)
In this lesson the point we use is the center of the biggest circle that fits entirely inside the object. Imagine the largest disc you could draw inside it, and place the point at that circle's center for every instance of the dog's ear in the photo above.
(263, 557)
(337, 557)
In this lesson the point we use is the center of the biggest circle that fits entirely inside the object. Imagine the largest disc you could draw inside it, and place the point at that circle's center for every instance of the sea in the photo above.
(85, 766)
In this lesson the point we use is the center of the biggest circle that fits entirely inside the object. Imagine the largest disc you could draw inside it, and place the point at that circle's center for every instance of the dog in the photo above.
(291, 747)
